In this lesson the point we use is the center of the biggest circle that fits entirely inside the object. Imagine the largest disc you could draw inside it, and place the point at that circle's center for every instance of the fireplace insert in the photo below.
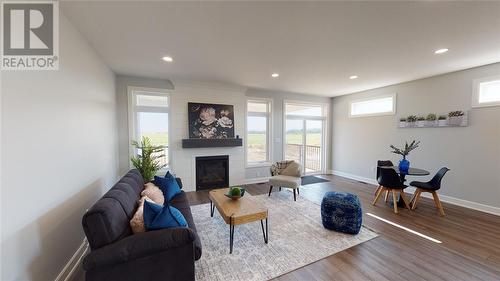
(212, 172)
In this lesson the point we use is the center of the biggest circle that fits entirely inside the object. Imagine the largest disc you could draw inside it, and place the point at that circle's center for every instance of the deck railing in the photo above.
(312, 154)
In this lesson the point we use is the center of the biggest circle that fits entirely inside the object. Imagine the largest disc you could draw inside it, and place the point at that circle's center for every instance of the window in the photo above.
(305, 131)
(258, 137)
(382, 105)
(148, 117)
(486, 92)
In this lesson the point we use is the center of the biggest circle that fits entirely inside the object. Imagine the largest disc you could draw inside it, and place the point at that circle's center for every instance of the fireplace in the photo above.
(212, 172)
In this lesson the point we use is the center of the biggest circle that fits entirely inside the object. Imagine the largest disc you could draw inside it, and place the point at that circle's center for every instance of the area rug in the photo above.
(296, 238)
(312, 179)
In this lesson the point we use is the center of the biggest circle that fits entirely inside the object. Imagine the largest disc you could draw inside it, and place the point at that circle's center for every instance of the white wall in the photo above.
(472, 153)
(122, 82)
(183, 159)
(59, 155)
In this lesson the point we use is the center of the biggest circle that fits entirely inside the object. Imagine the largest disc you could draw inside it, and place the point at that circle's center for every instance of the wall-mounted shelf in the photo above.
(200, 143)
(462, 121)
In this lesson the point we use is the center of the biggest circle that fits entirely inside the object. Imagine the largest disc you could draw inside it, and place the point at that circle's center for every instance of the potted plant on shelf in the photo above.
(147, 160)
(431, 120)
(404, 164)
(412, 119)
(421, 121)
(442, 121)
(455, 118)
(402, 122)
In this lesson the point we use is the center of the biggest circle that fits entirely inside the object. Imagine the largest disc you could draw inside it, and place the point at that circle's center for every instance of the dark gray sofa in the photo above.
(118, 254)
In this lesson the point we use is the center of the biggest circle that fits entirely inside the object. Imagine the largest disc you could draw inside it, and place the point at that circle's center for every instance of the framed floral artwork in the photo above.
(210, 121)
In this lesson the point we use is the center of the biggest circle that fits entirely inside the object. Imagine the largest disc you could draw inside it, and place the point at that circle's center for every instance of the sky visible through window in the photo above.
(489, 91)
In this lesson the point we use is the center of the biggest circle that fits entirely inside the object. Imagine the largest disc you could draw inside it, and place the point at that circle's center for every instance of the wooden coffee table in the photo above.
(235, 212)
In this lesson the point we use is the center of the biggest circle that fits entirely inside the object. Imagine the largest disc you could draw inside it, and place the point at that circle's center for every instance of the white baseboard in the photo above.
(445, 198)
(355, 177)
(255, 180)
(69, 270)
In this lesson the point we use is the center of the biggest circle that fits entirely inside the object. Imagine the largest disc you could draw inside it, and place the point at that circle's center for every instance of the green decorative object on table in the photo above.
(235, 192)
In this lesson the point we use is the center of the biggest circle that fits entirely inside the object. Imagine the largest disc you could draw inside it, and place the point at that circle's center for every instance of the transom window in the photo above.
(486, 92)
(148, 117)
(258, 140)
(382, 105)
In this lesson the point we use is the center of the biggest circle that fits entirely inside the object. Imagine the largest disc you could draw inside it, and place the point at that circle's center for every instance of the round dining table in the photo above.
(411, 172)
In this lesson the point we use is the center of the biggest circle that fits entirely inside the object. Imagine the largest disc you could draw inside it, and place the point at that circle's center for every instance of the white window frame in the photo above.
(475, 91)
(325, 133)
(269, 131)
(392, 112)
(133, 110)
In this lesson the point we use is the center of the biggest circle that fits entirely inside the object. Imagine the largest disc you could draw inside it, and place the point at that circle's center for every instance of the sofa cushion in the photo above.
(125, 197)
(133, 184)
(181, 202)
(105, 223)
(134, 173)
(158, 216)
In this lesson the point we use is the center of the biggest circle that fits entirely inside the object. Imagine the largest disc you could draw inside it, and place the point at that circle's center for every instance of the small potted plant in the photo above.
(404, 164)
(431, 120)
(455, 118)
(421, 121)
(402, 122)
(442, 121)
(411, 120)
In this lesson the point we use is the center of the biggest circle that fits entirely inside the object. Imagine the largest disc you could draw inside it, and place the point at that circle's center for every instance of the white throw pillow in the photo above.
(154, 192)
(137, 221)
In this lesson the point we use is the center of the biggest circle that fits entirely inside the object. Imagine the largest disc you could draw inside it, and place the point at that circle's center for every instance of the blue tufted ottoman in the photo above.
(341, 212)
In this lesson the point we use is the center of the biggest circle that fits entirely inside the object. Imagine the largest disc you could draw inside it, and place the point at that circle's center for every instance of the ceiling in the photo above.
(314, 46)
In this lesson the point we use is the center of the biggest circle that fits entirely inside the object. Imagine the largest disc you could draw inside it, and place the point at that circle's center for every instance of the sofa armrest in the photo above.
(138, 246)
(179, 181)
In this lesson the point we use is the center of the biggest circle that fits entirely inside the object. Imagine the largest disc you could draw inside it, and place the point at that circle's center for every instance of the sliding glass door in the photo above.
(305, 135)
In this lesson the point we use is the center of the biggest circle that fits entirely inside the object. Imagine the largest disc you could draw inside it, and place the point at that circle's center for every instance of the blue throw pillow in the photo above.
(159, 217)
(168, 175)
(168, 186)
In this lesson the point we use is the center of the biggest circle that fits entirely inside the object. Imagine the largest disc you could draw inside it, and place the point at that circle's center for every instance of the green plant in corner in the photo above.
(431, 117)
(147, 160)
(408, 148)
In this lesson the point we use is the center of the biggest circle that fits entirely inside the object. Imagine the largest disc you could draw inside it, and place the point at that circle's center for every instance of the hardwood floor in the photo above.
(470, 248)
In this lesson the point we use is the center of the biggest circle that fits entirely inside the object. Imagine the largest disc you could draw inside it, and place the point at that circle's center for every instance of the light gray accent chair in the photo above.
(286, 174)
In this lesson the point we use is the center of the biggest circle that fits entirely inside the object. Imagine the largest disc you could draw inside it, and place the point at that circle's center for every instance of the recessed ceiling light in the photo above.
(168, 59)
(275, 75)
(441, 51)
(353, 77)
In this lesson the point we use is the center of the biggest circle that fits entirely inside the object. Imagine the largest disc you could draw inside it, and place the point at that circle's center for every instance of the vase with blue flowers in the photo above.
(404, 164)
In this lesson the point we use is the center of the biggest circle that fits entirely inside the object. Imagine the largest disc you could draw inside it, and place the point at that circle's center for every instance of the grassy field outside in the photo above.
(296, 138)
(157, 138)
